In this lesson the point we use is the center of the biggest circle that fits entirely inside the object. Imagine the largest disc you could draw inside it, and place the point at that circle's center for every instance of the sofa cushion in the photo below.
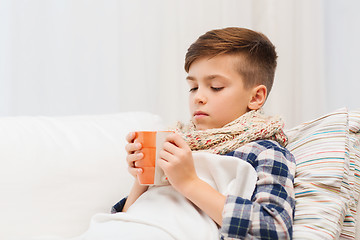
(57, 172)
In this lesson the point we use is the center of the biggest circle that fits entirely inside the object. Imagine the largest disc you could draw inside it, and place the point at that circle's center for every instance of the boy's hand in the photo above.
(134, 154)
(177, 162)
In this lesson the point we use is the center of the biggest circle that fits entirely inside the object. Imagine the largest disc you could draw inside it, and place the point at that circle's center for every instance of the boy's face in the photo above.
(217, 94)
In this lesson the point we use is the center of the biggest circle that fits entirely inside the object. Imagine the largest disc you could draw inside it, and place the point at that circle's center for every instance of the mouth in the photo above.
(199, 114)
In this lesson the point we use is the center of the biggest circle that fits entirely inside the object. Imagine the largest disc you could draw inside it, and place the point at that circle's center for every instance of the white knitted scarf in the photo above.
(251, 126)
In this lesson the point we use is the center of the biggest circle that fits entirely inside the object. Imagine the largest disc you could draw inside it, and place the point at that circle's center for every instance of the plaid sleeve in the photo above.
(118, 207)
(269, 212)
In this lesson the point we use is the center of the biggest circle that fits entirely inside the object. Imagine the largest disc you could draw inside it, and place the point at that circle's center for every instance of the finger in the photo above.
(166, 156)
(135, 171)
(130, 137)
(163, 163)
(175, 144)
(133, 147)
(177, 140)
(132, 158)
(170, 147)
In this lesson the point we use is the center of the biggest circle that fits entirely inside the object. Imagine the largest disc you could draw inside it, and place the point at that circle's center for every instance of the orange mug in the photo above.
(151, 142)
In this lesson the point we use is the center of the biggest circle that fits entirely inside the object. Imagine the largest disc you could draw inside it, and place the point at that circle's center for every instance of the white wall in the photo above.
(58, 57)
(61, 57)
(342, 53)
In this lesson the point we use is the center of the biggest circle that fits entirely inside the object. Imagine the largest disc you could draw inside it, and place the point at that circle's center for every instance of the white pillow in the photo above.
(57, 172)
(322, 191)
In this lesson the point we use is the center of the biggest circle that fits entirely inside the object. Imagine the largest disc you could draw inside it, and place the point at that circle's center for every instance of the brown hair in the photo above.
(254, 48)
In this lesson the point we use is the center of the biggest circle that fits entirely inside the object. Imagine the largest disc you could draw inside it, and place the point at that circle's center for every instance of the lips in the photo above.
(200, 114)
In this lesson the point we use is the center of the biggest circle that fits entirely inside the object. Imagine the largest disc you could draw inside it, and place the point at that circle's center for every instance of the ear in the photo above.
(258, 97)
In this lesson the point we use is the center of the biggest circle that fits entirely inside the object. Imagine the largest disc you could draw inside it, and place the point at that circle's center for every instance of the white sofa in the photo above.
(56, 172)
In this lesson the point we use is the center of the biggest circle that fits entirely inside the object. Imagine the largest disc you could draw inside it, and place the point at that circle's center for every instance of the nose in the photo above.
(200, 97)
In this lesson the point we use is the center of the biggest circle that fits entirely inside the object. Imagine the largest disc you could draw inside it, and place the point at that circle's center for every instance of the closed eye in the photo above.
(193, 89)
(217, 89)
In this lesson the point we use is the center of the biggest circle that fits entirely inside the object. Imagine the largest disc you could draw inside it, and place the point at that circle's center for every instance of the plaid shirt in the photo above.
(269, 212)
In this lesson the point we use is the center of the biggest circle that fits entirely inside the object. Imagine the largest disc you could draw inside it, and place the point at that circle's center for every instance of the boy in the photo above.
(230, 73)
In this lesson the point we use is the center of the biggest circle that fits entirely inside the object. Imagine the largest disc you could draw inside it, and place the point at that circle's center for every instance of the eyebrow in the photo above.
(208, 78)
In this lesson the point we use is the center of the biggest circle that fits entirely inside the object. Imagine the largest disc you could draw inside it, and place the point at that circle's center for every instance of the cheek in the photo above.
(231, 107)
(190, 102)
(223, 102)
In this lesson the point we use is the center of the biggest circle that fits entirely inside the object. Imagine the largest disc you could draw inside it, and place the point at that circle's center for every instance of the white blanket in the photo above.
(163, 213)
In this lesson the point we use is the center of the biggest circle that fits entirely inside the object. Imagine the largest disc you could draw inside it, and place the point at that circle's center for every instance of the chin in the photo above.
(200, 127)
